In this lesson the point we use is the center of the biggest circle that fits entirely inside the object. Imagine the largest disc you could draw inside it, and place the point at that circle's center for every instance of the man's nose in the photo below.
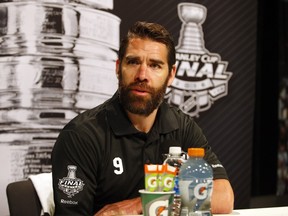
(142, 71)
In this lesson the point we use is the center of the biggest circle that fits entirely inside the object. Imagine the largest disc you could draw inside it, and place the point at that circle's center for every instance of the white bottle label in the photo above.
(196, 194)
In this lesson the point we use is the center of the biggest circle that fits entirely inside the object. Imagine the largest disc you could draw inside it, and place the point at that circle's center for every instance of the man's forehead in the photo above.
(137, 47)
(146, 42)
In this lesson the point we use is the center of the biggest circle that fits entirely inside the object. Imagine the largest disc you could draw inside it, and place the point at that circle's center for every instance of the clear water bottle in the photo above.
(176, 158)
(195, 184)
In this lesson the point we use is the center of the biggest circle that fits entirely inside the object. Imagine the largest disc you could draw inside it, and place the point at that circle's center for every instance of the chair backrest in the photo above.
(23, 199)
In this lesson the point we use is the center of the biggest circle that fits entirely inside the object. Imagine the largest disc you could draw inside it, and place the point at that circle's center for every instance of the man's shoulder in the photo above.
(172, 115)
(90, 116)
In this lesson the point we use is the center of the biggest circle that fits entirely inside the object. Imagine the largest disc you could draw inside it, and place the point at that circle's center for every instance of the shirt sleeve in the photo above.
(73, 174)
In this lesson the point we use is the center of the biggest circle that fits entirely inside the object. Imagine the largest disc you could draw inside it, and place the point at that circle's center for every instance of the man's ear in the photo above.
(117, 68)
(172, 75)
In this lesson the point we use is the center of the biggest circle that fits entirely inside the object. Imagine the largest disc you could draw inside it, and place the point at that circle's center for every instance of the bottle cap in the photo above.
(175, 150)
(196, 152)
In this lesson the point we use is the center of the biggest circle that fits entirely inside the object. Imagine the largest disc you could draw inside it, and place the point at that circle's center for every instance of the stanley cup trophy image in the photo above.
(191, 37)
(201, 76)
(57, 60)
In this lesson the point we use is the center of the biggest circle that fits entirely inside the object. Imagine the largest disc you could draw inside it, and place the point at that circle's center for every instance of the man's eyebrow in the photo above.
(131, 57)
(134, 57)
(157, 61)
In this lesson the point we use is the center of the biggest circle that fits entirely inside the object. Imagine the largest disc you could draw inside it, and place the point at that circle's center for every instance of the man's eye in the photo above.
(132, 62)
(155, 66)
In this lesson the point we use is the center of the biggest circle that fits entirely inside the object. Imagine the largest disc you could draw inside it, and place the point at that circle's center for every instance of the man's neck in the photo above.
(142, 123)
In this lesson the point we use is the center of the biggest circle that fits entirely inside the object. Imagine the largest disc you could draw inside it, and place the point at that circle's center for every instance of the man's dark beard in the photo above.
(138, 104)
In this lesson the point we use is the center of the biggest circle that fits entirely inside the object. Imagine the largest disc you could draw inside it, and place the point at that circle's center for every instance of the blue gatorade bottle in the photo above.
(195, 184)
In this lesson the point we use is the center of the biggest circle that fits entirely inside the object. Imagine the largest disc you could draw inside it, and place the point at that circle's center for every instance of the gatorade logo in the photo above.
(200, 191)
(152, 182)
(168, 182)
(159, 208)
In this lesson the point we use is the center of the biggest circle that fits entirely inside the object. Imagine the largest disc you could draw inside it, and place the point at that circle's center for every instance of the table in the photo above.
(271, 211)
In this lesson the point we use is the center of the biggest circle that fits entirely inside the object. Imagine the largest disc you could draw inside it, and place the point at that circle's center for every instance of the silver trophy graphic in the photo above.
(56, 60)
(71, 172)
(191, 35)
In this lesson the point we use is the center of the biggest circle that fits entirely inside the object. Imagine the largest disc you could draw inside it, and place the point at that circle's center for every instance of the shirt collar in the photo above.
(121, 125)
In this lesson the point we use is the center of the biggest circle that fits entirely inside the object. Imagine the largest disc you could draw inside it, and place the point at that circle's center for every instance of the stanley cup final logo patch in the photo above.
(201, 77)
(71, 185)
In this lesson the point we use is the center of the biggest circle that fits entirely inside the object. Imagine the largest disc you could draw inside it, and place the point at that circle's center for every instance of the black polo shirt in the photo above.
(99, 156)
